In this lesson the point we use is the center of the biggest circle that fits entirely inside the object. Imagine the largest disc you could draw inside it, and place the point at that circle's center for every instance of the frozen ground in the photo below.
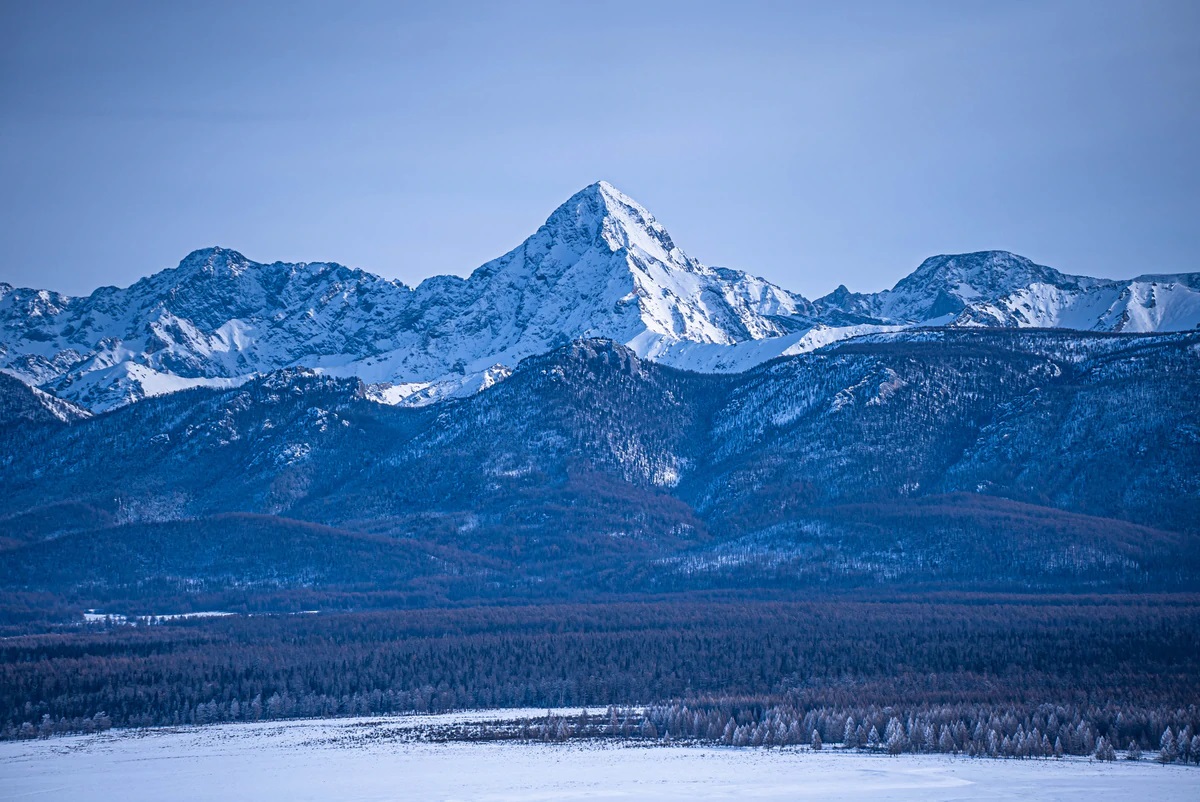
(383, 759)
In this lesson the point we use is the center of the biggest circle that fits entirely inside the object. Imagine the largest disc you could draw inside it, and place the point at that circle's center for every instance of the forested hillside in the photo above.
(939, 458)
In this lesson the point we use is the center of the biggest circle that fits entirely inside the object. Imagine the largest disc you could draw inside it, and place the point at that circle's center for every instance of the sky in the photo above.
(813, 144)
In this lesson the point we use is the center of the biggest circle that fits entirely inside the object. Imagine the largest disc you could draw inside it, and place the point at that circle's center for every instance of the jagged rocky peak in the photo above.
(215, 261)
(226, 271)
(600, 215)
(600, 221)
(598, 350)
(585, 364)
(979, 274)
(601, 265)
(949, 287)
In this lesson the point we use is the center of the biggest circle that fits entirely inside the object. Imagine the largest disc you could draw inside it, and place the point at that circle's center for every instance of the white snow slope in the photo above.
(601, 266)
(355, 760)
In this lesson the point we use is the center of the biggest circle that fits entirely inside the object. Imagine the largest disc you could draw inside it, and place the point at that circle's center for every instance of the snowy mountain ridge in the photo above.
(1001, 289)
(600, 266)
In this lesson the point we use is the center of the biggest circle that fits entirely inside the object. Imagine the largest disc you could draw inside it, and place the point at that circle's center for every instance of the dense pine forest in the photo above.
(1063, 671)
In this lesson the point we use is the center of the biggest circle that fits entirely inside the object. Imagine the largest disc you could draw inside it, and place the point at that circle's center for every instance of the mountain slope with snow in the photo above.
(1001, 289)
(600, 266)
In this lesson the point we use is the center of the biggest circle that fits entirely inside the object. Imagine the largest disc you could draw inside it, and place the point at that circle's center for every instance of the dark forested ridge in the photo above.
(955, 459)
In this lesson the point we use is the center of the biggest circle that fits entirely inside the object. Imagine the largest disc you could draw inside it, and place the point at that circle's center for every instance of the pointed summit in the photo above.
(601, 215)
(602, 266)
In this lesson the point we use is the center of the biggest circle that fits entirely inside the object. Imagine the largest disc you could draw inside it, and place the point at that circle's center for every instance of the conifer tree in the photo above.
(1167, 750)
(873, 739)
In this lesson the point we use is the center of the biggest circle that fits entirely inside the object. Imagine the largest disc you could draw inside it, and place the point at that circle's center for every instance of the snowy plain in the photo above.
(387, 759)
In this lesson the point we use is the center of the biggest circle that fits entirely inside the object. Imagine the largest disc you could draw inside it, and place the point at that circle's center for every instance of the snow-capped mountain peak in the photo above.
(998, 288)
(982, 272)
(600, 266)
(942, 286)
(600, 213)
(216, 262)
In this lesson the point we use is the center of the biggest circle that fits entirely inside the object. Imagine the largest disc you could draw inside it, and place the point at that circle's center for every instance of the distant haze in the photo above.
(812, 144)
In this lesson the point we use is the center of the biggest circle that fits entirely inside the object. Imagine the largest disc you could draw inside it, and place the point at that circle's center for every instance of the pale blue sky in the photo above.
(813, 144)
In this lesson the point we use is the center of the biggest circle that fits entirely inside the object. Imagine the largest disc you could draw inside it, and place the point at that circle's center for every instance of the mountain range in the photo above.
(593, 413)
(600, 267)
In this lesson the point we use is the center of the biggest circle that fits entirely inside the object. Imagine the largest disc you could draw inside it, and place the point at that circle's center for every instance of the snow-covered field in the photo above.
(384, 759)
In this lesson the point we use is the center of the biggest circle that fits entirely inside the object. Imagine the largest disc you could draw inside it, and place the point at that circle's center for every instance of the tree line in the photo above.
(1123, 666)
(997, 731)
